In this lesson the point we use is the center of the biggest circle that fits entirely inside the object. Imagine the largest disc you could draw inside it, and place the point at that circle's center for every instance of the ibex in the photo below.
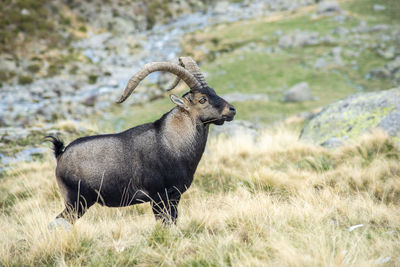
(153, 162)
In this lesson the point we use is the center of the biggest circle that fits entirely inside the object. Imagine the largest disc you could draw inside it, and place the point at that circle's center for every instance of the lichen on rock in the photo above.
(351, 117)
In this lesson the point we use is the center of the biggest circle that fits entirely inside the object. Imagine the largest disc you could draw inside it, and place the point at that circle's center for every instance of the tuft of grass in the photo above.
(25, 79)
(92, 78)
(67, 126)
(53, 70)
(34, 68)
(82, 28)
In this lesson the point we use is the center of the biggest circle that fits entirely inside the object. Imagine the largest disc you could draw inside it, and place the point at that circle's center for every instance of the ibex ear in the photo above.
(179, 101)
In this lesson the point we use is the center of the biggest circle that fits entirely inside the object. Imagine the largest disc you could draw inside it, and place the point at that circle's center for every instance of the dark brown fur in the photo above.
(153, 162)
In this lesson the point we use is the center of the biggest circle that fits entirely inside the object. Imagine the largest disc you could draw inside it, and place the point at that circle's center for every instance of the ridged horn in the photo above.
(177, 79)
(179, 71)
(174, 84)
(192, 67)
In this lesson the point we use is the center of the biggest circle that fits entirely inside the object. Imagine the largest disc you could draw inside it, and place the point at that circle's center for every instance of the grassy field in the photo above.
(271, 200)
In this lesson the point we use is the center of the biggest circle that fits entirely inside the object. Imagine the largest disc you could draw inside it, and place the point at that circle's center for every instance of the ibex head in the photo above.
(201, 102)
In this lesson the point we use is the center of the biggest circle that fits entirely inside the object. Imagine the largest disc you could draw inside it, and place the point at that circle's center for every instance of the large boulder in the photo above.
(353, 116)
(328, 7)
(298, 93)
(236, 128)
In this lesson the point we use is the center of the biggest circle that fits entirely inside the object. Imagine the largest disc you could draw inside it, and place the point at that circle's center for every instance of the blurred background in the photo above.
(63, 63)
(305, 76)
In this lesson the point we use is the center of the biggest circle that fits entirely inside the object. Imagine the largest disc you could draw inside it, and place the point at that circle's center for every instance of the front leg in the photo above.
(165, 206)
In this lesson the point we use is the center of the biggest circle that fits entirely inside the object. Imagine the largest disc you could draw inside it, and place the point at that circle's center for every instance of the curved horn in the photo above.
(179, 71)
(177, 79)
(174, 84)
(191, 66)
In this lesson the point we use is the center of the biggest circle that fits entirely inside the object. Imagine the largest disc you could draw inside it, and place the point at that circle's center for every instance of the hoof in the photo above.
(59, 224)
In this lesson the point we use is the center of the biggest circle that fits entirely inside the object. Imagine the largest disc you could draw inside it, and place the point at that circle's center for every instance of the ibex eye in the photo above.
(202, 100)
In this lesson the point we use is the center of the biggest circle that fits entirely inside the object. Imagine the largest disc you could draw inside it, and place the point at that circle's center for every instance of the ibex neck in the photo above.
(183, 135)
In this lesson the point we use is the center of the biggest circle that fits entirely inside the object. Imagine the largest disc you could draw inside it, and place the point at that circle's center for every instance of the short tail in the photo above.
(58, 145)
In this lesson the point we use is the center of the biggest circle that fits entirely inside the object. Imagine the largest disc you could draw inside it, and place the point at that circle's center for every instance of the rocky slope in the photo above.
(86, 74)
(358, 114)
(103, 45)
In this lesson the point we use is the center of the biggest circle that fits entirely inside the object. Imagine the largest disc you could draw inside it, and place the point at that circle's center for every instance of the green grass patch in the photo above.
(273, 74)
(364, 9)
(123, 116)
(25, 79)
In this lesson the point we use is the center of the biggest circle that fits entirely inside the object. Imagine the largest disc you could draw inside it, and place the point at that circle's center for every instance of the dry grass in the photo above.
(271, 201)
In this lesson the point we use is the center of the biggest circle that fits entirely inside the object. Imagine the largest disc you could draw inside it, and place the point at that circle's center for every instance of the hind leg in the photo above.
(78, 200)
(74, 210)
(66, 218)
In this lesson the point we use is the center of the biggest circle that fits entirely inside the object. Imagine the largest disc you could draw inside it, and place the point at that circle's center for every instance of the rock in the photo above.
(388, 53)
(334, 142)
(238, 97)
(7, 64)
(306, 38)
(49, 94)
(379, 73)
(298, 39)
(3, 121)
(382, 260)
(59, 224)
(298, 93)
(25, 12)
(361, 28)
(353, 116)
(221, 7)
(112, 83)
(90, 101)
(394, 65)
(377, 7)
(341, 31)
(328, 8)
(235, 128)
(307, 115)
(285, 41)
(391, 123)
(336, 52)
(320, 63)
(340, 18)
(379, 27)
(396, 77)
(328, 39)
